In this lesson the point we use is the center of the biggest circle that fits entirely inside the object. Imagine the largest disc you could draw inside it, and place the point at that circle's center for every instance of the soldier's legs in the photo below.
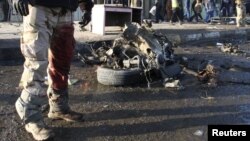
(60, 56)
(34, 47)
(39, 26)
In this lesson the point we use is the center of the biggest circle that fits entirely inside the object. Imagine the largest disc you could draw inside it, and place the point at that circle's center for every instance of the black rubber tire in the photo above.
(107, 76)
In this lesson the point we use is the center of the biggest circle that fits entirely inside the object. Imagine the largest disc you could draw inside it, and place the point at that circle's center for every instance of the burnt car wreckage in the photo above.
(139, 54)
(142, 55)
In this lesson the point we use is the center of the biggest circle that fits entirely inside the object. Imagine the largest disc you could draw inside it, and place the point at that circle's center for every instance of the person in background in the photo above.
(168, 10)
(197, 9)
(210, 8)
(181, 10)
(176, 9)
(241, 13)
(247, 7)
(134, 3)
(158, 14)
(187, 9)
(233, 12)
(225, 8)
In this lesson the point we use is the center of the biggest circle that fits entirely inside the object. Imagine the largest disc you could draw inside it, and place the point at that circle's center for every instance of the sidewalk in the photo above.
(180, 34)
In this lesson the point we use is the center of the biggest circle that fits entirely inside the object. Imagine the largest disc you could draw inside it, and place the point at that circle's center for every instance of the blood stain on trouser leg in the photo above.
(60, 56)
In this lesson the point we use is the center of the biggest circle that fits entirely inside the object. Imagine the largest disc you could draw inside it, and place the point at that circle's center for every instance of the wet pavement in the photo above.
(135, 113)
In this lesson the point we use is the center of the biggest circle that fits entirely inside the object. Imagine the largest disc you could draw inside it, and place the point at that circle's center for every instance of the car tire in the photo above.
(122, 77)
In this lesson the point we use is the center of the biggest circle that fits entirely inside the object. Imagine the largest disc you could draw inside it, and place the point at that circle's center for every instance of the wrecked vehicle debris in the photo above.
(233, 49)
(211, 70)
(137, 55)
(141, 55)
(219, 71)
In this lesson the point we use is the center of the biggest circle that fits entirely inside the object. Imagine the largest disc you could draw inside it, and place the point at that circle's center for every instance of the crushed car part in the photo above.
(138, 48)
(232, 49)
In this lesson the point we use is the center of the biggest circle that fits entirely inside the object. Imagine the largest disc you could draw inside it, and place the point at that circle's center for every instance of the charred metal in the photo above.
(138, 47)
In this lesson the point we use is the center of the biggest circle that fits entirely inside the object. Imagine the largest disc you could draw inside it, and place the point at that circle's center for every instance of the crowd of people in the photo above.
(191, 10)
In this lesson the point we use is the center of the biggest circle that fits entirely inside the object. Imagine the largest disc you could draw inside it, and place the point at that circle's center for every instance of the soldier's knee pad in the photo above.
(28, 107)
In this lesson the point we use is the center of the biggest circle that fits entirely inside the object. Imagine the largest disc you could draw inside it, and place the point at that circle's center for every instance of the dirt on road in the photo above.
(135, 113)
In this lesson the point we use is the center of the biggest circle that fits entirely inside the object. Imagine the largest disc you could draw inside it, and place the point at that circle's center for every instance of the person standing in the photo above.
(47, 43)
(187, 9)
(176, 9)
(247, 7)
(233, 12)
(241, 13)
(225, 8)
(210, 8)
(169, 9)
(158, 12)
(197, 9)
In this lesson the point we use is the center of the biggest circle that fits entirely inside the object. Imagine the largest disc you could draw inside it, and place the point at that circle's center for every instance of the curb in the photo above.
(10, 51)
(210, 36)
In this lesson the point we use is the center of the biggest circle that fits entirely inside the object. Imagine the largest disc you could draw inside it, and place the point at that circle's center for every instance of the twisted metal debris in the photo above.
(137, 47)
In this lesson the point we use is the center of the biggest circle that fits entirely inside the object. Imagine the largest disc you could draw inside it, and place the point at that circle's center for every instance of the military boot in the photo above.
(59, 107)
(28, 108)
(39, 131)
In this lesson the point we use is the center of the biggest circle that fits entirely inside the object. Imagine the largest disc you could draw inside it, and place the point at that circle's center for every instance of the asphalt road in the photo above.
(135, 113)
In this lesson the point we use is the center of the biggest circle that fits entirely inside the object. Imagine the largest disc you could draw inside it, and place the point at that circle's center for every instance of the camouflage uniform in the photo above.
(35, 47)
(241, 12)
(47, 43)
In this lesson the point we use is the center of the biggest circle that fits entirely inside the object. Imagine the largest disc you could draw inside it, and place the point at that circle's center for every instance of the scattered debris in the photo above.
(208, 98)
(217, 71)
(223, 20)
(229, 48)
(138, 47)
(172, 83)
(199, 133)
(235, 72)
(105, 106)
(72, 81)
(207, 74)
(232, 49)
(151, 54)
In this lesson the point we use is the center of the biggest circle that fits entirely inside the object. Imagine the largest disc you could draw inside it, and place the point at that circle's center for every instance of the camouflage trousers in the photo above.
(241, 15)
(47, 44)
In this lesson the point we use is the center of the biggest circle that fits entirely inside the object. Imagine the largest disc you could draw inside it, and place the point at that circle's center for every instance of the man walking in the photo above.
(197, 9)
(187, 9)
(241, 13)
(47, 43)
(176, 9)
(158, 12)
(210, 8)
